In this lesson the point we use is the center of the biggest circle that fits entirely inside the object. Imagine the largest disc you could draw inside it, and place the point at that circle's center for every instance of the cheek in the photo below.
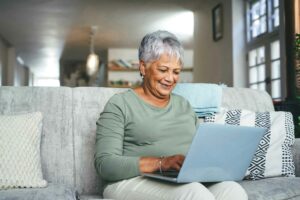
(176, 77)
(157, 76)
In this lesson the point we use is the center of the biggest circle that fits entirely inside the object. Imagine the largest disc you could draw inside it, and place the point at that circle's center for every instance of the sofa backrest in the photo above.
(57, 135)
(88, 103)
(245, 98)
(69, 125)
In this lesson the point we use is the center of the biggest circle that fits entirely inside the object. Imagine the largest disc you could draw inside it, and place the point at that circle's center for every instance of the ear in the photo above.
(142, 68)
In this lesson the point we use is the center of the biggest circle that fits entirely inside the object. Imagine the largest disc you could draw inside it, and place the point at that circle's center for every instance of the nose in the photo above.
(169, 77)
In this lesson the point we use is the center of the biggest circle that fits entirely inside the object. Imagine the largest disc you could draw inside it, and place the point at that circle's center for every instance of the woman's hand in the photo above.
(172, 162)
(152, 164)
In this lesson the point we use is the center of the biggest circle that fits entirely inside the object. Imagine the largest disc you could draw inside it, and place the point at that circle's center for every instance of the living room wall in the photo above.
(16, 73)
(12, 73)
(3, 58)
(220, 61)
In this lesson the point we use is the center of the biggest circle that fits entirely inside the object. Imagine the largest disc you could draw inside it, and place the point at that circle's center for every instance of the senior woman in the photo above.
(149, 129)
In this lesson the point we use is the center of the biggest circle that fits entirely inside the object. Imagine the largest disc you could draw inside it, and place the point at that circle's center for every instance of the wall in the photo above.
(127, 54)
(21, 75)
(73, 68)
(3, 61)
(12, 73)
(239, 44)
(221, 61)
(131, 54)
(11, 65)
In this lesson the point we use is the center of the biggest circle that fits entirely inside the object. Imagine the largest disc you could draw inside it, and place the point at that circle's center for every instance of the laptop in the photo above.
(217, 153)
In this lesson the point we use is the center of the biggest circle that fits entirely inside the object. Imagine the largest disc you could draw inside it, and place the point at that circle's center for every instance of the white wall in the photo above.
(238, 39)
(222, 61)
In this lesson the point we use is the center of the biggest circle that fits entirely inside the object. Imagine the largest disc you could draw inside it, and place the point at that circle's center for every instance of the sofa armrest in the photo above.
(296, 152)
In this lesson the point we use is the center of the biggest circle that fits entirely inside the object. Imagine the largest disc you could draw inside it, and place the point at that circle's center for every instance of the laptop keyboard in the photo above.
(172, 174)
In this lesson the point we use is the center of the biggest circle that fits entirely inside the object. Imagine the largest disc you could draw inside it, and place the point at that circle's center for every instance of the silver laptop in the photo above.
(217, 153)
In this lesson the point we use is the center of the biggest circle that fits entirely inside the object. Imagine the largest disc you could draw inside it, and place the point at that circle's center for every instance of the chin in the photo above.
(165, 92)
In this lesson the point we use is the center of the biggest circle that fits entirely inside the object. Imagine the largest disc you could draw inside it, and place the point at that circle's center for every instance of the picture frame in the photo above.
(217, 22)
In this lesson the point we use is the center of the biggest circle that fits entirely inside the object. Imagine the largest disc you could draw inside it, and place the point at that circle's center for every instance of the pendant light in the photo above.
(92, 63)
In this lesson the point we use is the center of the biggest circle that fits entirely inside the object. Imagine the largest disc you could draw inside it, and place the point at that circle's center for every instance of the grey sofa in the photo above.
(68, 140)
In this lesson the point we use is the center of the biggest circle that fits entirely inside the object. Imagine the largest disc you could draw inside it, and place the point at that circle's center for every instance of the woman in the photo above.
(149, 129)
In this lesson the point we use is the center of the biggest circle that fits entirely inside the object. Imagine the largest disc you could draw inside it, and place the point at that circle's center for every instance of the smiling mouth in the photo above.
(166, 86)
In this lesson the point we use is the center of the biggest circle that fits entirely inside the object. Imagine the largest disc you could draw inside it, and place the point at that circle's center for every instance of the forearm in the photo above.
(150, 164)
(115, 168)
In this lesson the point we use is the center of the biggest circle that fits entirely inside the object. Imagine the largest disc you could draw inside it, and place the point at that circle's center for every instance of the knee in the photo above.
(230, 190)
(237, 191)
(193, 191)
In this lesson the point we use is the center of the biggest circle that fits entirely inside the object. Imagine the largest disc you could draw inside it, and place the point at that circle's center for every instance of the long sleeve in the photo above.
(110, 162)
(129, 128)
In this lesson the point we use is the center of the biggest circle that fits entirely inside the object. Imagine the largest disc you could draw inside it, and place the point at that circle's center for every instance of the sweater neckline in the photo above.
(150, 105)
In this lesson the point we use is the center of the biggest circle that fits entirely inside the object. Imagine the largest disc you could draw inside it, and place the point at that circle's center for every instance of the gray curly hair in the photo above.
(153, 45)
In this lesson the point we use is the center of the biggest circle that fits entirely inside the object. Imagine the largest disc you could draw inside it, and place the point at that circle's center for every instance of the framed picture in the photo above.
(217, 22)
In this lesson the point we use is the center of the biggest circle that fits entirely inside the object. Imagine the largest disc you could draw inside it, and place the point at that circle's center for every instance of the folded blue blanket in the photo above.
(205, 98)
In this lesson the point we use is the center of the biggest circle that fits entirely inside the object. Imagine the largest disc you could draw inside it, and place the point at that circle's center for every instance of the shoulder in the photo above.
(118, 100)
(180, 100)
(119, 97)
(181, 103)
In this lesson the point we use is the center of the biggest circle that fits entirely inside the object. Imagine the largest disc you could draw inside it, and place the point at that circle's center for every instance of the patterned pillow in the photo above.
(274, 154)
(20, 162)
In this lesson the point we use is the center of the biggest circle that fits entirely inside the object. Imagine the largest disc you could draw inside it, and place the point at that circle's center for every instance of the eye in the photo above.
(162, 70)
(176, 72)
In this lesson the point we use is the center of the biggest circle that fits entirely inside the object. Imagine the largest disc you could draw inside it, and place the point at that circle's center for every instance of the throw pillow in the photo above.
(274, 154)
(20, 161)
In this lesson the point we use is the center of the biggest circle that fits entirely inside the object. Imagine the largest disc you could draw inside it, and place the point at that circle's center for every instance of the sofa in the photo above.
(68, 140)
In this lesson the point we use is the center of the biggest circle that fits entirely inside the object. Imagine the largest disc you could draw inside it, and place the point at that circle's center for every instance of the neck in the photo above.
(151, 98)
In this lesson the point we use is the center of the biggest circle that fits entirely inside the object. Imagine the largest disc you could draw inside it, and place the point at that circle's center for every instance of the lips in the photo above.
(166, 86)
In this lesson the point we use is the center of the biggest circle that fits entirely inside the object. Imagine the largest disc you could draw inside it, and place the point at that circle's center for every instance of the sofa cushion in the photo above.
(246, 98)
(51, 192)
(274, 154)
(20, 161)
(57, 144)
(277, 188)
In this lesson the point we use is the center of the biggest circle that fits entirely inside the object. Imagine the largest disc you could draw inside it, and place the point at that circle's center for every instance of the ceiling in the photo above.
(45, 31)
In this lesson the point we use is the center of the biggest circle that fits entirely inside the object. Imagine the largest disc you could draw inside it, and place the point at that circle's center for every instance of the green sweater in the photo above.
(129, 128)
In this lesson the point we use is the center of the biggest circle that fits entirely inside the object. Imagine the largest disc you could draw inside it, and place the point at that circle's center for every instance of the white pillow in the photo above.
(20, 161)
(274, 154)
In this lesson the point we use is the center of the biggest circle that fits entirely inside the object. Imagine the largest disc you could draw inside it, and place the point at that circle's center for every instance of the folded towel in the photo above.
(204, 98)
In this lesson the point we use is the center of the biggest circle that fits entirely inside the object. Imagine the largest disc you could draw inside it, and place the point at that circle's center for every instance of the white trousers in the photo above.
(140, 188)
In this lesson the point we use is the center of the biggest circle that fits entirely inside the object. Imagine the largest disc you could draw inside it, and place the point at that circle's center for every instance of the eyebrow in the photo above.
(169, 67)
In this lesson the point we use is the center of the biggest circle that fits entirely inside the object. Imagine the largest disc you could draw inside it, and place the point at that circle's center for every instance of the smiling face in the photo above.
(161, 76)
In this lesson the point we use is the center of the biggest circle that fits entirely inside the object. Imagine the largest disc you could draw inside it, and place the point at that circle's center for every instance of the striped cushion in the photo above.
(274, 155)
